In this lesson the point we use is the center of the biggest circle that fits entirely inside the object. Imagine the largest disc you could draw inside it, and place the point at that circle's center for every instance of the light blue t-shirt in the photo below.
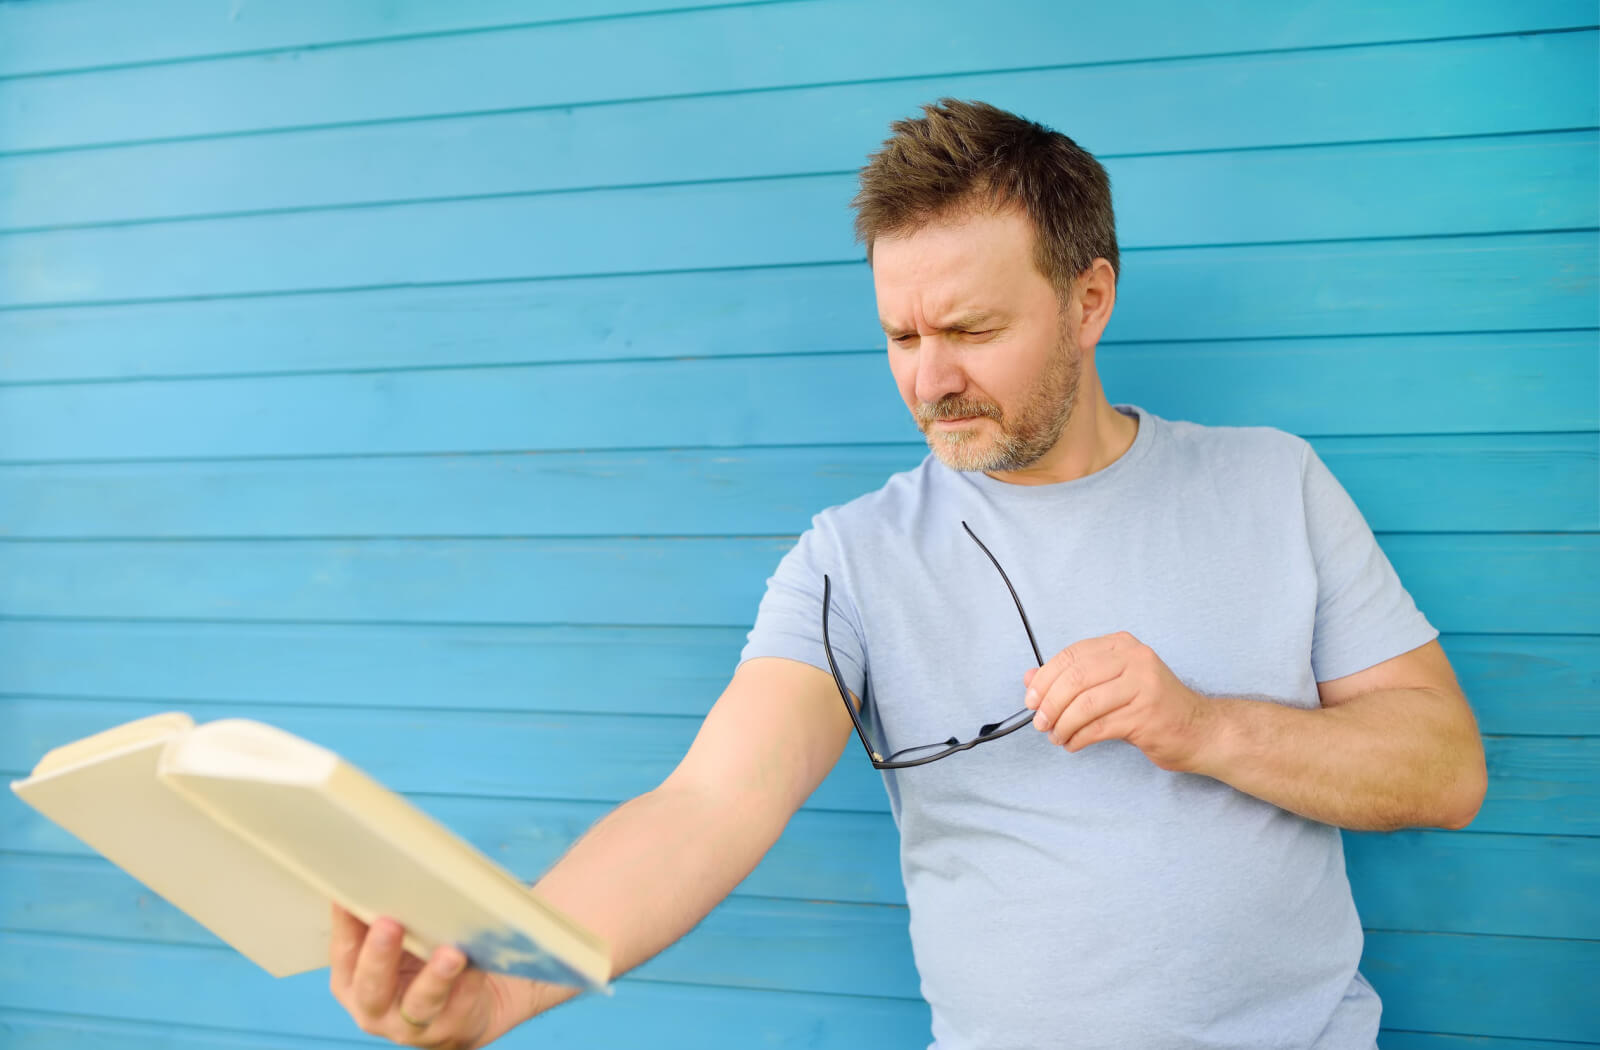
(1093, 899)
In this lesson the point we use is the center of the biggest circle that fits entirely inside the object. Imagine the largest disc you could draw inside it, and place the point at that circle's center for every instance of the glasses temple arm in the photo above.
(844, 691)
(1020, 612)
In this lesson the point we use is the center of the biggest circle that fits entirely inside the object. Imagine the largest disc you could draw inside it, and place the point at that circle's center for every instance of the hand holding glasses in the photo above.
(925, 753)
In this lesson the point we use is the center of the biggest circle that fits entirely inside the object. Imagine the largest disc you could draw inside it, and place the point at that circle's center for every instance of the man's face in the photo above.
(977, 340)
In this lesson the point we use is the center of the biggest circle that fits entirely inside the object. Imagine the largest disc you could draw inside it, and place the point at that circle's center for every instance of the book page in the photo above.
(116, 804)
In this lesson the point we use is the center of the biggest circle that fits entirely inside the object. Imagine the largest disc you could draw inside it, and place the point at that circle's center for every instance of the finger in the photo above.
(344, 942)
(1081, 664)
(1092, 666)
(1115, 726)
(429, 993)
(1089, 705)
(377, 973)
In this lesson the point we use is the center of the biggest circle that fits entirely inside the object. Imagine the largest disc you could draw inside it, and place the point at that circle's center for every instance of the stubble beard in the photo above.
(1024, 437)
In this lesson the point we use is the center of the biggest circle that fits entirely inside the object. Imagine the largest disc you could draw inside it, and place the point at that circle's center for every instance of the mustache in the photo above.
(955, 407)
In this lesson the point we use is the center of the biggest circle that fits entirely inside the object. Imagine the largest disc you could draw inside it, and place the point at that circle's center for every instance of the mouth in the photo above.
(948, 424)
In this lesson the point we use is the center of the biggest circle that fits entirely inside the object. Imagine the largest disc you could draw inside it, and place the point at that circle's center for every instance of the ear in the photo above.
(1096, 294)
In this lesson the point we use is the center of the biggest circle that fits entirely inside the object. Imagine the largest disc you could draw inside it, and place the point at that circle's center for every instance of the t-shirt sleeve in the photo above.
(789, 620)
(1364, 615)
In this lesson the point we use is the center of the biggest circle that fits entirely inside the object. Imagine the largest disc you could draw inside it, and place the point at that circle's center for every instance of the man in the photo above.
(1232, 671)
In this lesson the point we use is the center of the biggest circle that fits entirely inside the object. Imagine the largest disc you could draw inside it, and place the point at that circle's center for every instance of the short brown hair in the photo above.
(965, 156)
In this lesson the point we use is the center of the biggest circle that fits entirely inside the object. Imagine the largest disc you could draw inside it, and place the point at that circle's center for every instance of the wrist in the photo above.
(1221, 732)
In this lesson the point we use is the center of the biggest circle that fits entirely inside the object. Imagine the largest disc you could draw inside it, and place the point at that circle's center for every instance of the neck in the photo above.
(1095, 437)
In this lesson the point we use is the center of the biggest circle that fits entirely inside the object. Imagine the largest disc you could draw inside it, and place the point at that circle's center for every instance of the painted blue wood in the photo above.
(1501, 986)
(1496, 85)
(1518, 583)
(66, 35)
(1540, 998)
(1478, 483)
(1330, 293)
(1509, 383)
(733, 49)
(34, 1030)
(1538, 785)
(1474, 883)
(1415, 286)
(212, 987)
(1416, 189)
(1518, 684)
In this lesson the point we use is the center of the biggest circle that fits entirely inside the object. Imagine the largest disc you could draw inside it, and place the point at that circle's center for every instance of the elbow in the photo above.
(1468, 787)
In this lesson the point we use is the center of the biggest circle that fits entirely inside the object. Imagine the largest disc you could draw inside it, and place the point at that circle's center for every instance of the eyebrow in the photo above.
(966, 320)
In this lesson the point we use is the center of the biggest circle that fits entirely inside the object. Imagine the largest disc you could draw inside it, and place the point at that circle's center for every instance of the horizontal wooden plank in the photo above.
(732, 49)
(1510, 482)
(1529, 684)
(1434, 881)
(1393, 1040)
(572, 757)
(1506, 383)
(1491, 985)
(1366, 288)
(63, 36)
(1555, 776)
(1503, 568)
(1537, 785)
(1391, 190)
(1531, 584)
(1495, 986)
(1518, 684)
(215, 987)
(822, 855)
(92, 898)
(1479, 86)
(1466, 882)
(38, 1030)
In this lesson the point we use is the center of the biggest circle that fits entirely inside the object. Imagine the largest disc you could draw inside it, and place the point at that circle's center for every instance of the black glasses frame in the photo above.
(991, 731)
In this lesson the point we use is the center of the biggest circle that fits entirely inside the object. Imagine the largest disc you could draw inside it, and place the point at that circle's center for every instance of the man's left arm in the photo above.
(1392, 746)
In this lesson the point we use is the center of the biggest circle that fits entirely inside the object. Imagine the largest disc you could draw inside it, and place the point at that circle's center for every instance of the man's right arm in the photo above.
(648, 872)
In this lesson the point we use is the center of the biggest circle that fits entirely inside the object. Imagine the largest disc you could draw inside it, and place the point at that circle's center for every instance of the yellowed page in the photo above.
(105, 791)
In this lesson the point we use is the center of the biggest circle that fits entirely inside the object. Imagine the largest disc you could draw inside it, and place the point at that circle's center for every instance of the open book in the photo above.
(252, 831)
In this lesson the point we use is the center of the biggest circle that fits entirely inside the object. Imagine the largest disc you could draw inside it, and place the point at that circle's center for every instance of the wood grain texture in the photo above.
(1411, 881)
(1476, 483)
(1518, 684)
(1537, 785)
(1498, 85)
(442, 382)
(741, 48)
(1515, 384)
(1392, 301)
(1536, 997)
(1430, 188)
(216, 988)
(1518, 583)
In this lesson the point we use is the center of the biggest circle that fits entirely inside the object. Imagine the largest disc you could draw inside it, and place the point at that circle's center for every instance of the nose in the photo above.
(938, 371)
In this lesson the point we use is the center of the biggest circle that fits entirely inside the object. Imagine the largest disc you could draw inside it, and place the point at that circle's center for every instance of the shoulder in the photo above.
(1259, 452)
(885, 511)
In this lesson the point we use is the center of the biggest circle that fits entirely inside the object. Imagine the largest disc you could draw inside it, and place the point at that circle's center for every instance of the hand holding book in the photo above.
(253, 831)
(440, 1002)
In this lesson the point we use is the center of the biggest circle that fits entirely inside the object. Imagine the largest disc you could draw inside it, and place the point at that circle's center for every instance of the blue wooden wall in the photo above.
(442, 381)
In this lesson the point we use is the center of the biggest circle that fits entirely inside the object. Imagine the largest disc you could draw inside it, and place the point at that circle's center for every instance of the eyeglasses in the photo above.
(925, 753)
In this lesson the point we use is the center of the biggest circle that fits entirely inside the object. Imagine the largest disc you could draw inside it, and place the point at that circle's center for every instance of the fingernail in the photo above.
(1030, 699)
(452, 964)
(1038, 720)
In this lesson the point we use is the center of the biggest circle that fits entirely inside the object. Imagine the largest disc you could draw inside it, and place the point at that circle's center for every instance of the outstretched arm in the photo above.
(642, 877)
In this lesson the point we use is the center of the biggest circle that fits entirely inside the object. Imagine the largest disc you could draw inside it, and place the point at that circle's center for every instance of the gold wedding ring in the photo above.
(412, 1021)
